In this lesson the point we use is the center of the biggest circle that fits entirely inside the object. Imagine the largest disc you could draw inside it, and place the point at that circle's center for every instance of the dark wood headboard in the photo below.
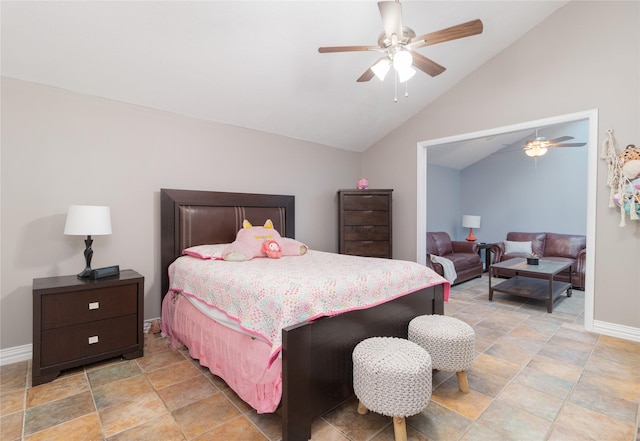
(189, 218)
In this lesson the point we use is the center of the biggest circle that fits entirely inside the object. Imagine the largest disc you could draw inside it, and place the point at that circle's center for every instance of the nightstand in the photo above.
(81, 321)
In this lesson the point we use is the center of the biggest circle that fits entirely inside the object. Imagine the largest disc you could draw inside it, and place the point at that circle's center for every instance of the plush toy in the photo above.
(250, 240)
(363, 184)
(272, 249)
(631, 169)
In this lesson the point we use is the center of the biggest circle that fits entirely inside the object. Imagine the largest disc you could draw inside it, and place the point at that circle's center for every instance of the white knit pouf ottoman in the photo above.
(392, 377)
(449, 341)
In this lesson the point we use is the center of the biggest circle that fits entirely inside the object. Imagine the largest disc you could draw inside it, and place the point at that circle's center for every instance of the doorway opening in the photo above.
(591, 116)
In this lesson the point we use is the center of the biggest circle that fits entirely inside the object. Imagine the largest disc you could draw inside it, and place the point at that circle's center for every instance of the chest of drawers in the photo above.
(80, 321)
(365, 222)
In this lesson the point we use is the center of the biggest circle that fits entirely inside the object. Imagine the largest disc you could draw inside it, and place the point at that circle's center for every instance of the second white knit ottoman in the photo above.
(392, 377)
(449, 341)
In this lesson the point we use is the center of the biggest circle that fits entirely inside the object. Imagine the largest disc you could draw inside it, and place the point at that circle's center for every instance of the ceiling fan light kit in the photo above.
(540, 145)
(398, 43)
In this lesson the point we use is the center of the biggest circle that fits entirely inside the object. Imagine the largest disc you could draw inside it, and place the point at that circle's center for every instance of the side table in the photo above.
(487, 255)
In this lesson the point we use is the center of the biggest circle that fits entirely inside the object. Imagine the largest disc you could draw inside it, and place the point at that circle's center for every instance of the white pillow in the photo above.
(511, 247)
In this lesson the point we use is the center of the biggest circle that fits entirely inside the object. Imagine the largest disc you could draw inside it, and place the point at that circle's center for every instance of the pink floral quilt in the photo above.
(267, 295)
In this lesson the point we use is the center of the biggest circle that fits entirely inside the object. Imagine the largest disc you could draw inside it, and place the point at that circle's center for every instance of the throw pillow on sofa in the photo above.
(511, 247)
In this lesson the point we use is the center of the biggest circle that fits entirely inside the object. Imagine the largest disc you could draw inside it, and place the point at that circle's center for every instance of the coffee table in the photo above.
(532, 281)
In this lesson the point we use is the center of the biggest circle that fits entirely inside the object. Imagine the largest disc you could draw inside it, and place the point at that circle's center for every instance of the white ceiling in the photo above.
(252, 64)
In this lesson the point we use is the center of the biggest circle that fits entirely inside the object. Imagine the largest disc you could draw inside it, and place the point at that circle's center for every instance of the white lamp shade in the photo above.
(88, 220)
(381, 68)
(470, 221)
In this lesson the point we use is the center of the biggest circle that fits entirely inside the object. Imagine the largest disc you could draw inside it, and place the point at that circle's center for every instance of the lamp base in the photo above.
(85, 274)
(471, 237)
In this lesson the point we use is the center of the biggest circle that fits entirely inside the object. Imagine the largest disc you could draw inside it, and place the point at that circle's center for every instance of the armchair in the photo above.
(464, 256)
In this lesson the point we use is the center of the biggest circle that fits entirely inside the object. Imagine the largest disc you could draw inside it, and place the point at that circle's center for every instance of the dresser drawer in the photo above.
(367, 248)
(368, 217)
(366, 232)
(75, 307)
(366, 202)
(87, 339)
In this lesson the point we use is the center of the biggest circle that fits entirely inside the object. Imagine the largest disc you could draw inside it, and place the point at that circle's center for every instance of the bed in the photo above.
(315, 358)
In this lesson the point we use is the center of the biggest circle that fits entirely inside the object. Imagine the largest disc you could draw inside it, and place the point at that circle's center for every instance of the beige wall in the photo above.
(585, 56)
(61, 148)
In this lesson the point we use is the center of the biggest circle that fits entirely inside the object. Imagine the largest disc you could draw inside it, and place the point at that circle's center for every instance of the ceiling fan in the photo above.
(398, 44)
(539, 145)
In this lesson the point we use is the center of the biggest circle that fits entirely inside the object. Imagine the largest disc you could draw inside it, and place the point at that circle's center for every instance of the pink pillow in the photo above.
(249, 240)
(206, 251)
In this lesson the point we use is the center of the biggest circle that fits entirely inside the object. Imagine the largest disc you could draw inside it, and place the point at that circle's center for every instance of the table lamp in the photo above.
(470, 222)
(87, 220)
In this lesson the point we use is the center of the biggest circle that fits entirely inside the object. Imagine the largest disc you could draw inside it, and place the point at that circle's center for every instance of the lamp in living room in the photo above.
(470, 221)
(88, 220)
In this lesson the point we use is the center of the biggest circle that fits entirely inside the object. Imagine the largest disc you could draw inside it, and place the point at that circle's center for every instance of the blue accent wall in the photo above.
(513, 192)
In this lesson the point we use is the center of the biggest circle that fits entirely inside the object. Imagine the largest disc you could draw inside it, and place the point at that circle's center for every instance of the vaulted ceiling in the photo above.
(252, 64)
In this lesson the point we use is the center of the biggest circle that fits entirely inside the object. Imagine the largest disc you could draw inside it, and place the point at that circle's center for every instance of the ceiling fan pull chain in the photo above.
(395, 86)
(406, 89)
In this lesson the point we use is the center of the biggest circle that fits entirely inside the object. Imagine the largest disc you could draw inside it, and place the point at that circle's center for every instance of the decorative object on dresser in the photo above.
(471, 222)
(88, 220)
(80, 321)
(365, 223)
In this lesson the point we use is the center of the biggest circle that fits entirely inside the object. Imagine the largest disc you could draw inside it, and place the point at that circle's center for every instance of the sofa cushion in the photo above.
(564, 245)
(464, 260)
(537, 240)
(511, 247)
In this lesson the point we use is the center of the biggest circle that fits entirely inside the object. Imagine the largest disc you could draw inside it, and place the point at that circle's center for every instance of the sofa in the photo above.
(549, 246)
(463, 255)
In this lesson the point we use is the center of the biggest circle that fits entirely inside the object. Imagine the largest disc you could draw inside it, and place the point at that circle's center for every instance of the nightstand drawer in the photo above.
(87, 339)
(367, 248)
(366, 232)
(368, 217)
(366, 202)
(75, 307)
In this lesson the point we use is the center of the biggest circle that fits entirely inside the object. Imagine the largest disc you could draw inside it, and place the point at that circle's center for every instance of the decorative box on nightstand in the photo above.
(80, 321)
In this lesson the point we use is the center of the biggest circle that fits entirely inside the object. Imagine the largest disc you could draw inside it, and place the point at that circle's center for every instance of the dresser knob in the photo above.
(94, 305)
(93, 339)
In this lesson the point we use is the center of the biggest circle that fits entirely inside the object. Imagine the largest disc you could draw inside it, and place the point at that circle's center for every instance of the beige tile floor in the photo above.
(537, 376)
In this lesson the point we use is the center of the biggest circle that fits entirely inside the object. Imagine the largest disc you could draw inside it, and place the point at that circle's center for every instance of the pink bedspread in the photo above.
(267, 295)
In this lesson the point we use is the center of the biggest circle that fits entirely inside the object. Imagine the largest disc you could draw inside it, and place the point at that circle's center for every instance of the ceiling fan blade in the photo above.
(426, 65)
(571, 144)
(366, 76)
(391, 13)
(560, 139)
(467, 29)
(324, 50)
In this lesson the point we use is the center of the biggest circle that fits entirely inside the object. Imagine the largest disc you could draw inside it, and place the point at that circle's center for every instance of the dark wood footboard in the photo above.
(316, 359)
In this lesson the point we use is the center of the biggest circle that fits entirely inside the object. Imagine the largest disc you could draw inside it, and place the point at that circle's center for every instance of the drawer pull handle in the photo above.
(93, 339)
(368, 212)
(367, 227)
(94, 305)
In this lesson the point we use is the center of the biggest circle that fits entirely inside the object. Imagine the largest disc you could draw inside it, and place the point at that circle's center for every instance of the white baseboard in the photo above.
(619, 331)
(24, 352)
(15, 354)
